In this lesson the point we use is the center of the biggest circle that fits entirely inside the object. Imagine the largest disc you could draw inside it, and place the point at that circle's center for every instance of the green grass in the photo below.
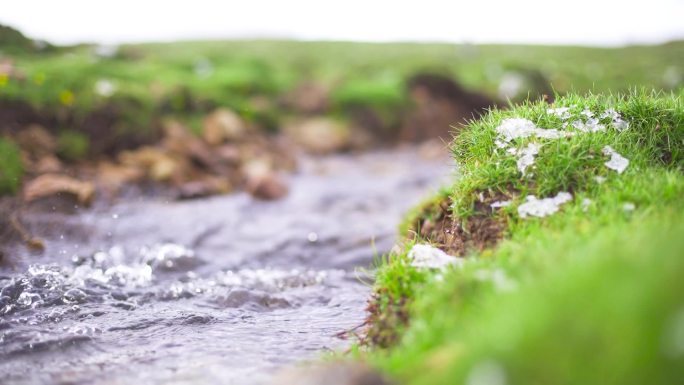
(11, 168)
(590, 294)
(72, 145)
(188, 78)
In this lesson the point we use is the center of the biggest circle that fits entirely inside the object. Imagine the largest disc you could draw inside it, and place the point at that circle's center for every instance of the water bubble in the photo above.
(74, 296)
(312, 237)
(25, 299)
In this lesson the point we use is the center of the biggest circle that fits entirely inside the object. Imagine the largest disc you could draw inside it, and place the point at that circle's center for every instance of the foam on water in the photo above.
(264, 284)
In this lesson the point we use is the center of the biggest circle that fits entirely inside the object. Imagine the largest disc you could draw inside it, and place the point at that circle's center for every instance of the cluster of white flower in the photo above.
(543, 207)
(586, 121)
(424, 256)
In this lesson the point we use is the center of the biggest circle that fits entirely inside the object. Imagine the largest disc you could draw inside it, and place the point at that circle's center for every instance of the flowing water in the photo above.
(223, 290)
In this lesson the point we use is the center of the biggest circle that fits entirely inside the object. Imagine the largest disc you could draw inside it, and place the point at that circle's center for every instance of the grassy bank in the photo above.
(98, 101)
(581, 289)
(131, 86)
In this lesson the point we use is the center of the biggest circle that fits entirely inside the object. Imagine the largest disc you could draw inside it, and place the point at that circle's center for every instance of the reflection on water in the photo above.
(222, 290)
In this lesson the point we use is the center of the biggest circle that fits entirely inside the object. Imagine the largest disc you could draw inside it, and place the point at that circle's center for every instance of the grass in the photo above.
(11, 167)
(587, 295)
(152, 81)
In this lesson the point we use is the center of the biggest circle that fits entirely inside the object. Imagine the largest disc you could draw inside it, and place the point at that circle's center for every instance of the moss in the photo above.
(72, 145)
(586, 295)
(11, 168)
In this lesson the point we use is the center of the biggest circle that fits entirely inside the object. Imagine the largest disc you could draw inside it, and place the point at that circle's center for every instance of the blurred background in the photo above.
(190, 95)
(337, 113)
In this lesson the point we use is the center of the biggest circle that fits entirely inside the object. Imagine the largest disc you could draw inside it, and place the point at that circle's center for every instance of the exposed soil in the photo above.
(454, 236)
(384, 320)
(102, 126)
(387, 314)
(440, 104)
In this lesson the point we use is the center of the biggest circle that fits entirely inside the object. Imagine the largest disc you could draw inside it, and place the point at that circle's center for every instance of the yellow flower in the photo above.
(39, 79)
(66, 97)
(3, 80)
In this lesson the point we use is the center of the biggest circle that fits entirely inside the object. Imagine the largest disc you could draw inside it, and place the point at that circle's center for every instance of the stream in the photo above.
(221, 290)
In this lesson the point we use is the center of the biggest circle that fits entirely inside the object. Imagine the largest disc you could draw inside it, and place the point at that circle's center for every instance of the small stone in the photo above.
(320, 135)
(223, 125)
(53, 184)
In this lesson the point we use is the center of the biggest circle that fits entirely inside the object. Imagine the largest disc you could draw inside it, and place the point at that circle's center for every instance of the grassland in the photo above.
(588, 294)
(99, 100)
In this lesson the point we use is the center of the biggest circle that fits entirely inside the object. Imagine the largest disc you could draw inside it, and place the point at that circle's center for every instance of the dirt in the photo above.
(102, 126)
(482, 230)
(387, 315)
(436, 224)
(440, 106)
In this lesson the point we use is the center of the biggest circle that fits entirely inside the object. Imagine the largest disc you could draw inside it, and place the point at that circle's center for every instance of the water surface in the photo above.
(220, 290)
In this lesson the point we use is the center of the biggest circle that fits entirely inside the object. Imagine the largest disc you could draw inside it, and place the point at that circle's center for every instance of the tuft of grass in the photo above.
(11, 167)
(72, 145)
(587, 295)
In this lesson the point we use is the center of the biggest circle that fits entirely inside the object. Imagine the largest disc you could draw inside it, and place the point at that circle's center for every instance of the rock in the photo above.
(223, 125)
(269, 187)
(54, 184)
(335, 373)
(158, 165)
(320, 135)
(36, 141)
(205, 187)
(113, 176)
(229, 154)
(262, 182)
(47, 164)
(181, 144)
(308, 98)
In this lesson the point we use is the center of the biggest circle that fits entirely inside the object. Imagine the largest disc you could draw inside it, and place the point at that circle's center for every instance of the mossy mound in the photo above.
(580, 286)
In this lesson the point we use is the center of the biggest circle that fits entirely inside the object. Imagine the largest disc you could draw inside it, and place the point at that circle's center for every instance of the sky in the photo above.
(587, 22)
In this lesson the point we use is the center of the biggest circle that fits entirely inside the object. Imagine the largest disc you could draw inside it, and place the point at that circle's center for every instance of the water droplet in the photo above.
(25, 299)
(74, 296)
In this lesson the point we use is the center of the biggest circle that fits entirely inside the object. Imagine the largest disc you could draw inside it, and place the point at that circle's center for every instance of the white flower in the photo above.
(591, 125)
(104, 87)
(543, 207)
(514, 128)
(429, 257)
(499, 204)
(617, 162)
(561, 112)
(527, 156)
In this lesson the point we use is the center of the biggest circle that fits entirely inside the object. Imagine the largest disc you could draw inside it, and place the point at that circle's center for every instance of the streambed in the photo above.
(219, 290)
